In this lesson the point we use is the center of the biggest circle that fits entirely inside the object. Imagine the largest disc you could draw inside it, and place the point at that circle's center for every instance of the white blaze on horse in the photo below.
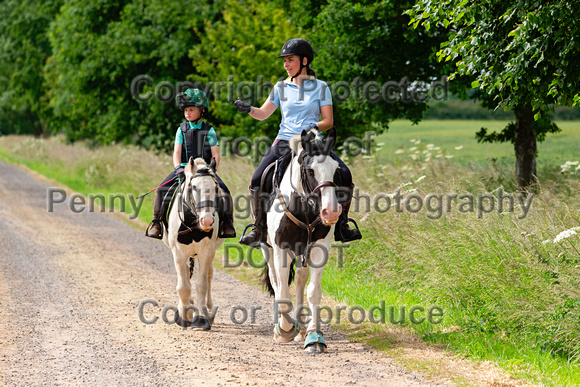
(192, 236)
(301, 223)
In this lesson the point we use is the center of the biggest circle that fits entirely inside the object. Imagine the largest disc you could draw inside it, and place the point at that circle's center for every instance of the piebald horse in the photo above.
(301, 221)
(192, 236)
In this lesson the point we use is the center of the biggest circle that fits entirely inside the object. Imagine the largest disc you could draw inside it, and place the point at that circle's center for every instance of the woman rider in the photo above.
(305, 103)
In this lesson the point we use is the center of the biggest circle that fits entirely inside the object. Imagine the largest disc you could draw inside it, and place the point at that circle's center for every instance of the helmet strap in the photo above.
(299, 71)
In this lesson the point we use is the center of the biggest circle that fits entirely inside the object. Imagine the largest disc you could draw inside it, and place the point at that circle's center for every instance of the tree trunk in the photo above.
(525, 147)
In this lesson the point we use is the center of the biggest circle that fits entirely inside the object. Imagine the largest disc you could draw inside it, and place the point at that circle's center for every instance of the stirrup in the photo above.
(257, 244)
(151, 224)
(342, 238)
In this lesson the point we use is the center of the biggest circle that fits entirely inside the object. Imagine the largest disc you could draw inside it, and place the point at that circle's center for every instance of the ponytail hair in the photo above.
(309, 71)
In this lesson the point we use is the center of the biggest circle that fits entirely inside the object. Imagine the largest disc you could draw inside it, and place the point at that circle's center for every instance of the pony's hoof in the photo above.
(301, 336)
(200, 323)
(179, 321)
(314, 343)
(282, 336)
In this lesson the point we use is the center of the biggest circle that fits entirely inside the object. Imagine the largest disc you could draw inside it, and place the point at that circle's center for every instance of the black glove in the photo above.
(180, 172)
(241, 105)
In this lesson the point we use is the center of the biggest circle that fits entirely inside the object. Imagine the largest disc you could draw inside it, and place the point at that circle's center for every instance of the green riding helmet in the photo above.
(193, 97)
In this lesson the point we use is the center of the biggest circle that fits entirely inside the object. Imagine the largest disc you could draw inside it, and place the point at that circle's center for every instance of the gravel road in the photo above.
(70, 287)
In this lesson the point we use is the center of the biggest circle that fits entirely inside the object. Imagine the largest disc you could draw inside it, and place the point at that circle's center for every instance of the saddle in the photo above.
(273, 174)
(167, 202)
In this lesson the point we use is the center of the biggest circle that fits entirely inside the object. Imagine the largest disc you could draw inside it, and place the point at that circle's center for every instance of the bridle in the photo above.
(190, 204)
(307, 197)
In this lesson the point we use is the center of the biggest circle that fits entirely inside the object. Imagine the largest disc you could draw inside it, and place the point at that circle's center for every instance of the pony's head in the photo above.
(202, 190)
(317, 169)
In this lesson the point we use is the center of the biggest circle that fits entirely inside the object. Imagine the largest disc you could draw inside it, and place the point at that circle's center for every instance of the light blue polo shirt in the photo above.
(300, 107)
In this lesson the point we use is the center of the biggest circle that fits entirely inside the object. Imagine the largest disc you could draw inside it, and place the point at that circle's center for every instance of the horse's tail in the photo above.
(266, 278)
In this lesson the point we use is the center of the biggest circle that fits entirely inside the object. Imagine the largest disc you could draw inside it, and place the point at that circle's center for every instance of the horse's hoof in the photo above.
(282, 336)
(200, 323)
(179, 321)
(314, 343)
(301, 336)
(312, 348)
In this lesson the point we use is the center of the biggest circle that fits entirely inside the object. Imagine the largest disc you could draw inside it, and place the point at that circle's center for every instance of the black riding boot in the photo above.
(343, 233)
(155, 229)
(227, 229)
(258, 233)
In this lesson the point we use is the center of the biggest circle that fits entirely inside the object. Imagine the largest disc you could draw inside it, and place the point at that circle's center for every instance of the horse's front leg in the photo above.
(209, 301)
(285, 327)
(180, 259)
(202, 282)
(300, 280)
(314, 341)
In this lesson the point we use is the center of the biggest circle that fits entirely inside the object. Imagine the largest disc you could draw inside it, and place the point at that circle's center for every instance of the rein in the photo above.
(188, 206)
(308, 226)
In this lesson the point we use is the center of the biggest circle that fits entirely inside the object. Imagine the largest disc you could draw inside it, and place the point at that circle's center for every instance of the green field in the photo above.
(555, 150)
(508, 286)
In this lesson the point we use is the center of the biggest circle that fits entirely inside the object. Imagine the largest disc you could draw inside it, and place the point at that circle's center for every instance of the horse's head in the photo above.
(202, 190)
(317, 169)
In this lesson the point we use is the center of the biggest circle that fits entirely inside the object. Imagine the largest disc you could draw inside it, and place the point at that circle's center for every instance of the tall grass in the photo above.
(509, 286)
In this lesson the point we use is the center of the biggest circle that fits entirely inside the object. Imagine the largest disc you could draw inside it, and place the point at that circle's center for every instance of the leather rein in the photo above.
(304, 198)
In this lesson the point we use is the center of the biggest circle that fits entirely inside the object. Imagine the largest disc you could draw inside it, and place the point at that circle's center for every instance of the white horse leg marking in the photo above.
(204, 259)
(318, 259)
(209, 301)
(183, 285)
(283, 297)
(300, 279)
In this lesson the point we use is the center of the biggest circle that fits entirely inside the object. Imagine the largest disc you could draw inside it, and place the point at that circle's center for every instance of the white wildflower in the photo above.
(546, 241)
(412, 149)
(448, 156)
(564, 234)
(405, 185)
(399, 151)
(380, 144)
(430, 146)
(421, 178)
(459, 147)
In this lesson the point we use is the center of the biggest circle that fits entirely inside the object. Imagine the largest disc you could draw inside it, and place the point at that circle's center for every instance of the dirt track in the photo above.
(70, 286)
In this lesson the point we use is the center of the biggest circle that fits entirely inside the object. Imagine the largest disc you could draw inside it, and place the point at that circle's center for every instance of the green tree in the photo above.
(237, 57)
(377, 67)
(523, 56)
(100, 48)
(24, 48)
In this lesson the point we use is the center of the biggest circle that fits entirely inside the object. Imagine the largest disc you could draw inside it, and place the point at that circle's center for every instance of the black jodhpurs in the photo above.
(280, 148)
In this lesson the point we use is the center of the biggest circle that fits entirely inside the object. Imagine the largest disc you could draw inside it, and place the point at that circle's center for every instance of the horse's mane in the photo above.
(295, 142)
(199, 165)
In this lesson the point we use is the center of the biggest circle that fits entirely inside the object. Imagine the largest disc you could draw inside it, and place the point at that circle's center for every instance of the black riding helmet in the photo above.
(298, 47)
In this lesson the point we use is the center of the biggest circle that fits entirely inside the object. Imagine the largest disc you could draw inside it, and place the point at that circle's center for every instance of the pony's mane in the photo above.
(295, 142)
(199, 165)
